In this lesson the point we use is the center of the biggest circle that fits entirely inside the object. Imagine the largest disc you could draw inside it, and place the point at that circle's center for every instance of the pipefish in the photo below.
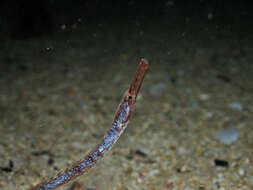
(121, 118)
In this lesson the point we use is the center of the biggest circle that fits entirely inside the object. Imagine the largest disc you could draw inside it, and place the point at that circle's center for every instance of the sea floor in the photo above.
(192, 124)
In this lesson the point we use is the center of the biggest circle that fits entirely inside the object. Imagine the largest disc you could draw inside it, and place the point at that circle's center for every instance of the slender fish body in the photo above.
(119, 124)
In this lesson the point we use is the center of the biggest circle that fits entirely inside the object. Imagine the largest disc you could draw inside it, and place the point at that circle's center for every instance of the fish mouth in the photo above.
(138, 79)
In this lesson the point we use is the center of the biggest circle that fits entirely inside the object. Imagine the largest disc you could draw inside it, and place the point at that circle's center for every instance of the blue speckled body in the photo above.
(120, 122)
(110, 138)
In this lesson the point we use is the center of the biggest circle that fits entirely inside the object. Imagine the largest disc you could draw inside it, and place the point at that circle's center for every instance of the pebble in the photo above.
(1, 149)
(250, 180)
(221, 163)
(76, 186)
(208, 115)
(236, 106)
(157, 89)
(153, 172)
(180, 73)
(228, 135)
(241, 172)
(204, 97)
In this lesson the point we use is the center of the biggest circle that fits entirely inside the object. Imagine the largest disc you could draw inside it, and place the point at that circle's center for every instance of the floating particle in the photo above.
(63, 26)
(210, 16)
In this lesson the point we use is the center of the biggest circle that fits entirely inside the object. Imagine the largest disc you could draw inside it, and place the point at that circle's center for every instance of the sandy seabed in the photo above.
(58, 95)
